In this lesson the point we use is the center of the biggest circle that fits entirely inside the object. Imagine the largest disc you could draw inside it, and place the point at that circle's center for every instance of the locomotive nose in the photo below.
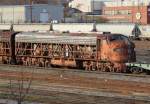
(119, 52)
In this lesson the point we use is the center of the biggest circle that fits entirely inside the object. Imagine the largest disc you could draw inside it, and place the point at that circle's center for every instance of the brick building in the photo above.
(133, 11)
(132, 14)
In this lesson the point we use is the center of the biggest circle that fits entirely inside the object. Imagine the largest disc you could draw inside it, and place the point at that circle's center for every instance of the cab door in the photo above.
(98, 48)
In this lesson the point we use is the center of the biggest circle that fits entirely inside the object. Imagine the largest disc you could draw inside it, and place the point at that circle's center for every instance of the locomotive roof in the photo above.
(63, 38)
(55, 38)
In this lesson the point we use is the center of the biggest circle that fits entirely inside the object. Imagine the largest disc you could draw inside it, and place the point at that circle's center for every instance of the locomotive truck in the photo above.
(104, 52)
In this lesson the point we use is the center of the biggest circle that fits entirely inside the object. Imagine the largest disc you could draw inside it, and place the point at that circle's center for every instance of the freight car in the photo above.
(105, 52)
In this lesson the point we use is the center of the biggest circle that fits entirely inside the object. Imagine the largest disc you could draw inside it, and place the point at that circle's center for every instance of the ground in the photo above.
(142, 51)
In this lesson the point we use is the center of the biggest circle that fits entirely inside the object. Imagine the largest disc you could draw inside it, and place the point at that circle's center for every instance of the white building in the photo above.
(27, 13)
(87, 5)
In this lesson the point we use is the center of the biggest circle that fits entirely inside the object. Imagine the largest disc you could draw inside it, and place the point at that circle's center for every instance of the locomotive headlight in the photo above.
(118, 49)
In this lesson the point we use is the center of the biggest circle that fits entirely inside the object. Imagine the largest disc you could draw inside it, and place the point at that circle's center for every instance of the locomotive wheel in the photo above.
(12, 61)
(88, 68)
(40, 64)
(79, 64)
(104, 69)
(47, 64)
(112, 68)
(136, 70)
(20, 62)
(100, 67)
(4, 62)
(94, 68)
(108, 69)
(119, 71)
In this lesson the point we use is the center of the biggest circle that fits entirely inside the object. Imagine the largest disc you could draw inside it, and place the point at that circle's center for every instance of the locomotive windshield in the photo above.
(119, 37)
(114, 38)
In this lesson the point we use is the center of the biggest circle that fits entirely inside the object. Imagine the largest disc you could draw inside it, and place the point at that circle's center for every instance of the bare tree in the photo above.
(20, 87)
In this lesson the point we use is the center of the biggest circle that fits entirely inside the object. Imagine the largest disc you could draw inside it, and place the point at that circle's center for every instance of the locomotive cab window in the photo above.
(126, 39)
(114, 38)
(119, 38)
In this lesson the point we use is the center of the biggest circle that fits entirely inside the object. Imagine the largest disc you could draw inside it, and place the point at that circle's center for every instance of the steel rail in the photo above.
(71, 70)
(81, 73)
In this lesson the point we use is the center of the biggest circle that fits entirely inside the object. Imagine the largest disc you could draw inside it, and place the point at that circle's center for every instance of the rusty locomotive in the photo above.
(105, 52)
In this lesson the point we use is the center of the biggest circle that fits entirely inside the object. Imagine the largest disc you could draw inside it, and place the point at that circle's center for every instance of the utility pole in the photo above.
(31, 3)
(17, 2)
(93, 10)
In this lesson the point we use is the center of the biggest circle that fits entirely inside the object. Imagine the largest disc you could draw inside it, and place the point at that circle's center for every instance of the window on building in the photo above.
(117, 12)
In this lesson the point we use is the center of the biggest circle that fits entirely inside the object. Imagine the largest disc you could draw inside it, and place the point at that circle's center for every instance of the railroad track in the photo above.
(82, 82)
(79, 96)
(82, 73)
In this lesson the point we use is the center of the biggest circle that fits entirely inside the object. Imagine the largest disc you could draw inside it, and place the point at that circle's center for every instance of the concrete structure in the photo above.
(30, 13)
(5, 26)
(32, 27)
(73, 27)
(125, 29)
(60, 27)
(145, 30)
(122, 28)
(87, 5)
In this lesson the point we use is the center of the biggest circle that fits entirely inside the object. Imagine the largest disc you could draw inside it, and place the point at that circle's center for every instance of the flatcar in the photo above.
(104, 52)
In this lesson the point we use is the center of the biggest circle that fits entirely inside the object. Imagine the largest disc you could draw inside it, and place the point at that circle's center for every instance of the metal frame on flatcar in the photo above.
(58, 51)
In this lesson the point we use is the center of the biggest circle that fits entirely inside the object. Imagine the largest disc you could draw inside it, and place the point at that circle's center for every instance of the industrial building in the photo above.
(127, 11)
(132, 14)
(124, 11)
(87, 6)
(31, 13)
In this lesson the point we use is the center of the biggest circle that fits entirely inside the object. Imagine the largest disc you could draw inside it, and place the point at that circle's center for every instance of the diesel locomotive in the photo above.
(104, 52)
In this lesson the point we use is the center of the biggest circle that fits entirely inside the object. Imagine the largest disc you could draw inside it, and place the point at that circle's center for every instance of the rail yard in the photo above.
(88, 85)
(91, 68)
(75, 52)
(59, 86)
